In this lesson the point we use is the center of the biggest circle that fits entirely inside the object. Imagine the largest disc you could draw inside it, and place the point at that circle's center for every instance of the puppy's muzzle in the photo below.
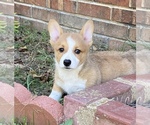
(67, 62)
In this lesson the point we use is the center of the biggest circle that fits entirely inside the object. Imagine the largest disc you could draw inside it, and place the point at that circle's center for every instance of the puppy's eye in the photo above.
(77, 51)
(61, 50)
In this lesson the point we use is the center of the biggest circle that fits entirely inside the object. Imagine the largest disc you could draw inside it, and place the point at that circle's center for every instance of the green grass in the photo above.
(34, 65)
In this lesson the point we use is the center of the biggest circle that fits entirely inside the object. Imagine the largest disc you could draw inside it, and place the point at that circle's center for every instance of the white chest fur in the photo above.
(69, 80)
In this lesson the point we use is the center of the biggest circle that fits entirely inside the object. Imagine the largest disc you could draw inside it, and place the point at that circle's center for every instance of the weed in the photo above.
(131, 44)
(3, 25)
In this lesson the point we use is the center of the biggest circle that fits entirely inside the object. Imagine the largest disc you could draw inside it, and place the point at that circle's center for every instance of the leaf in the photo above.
(36, 76)
(10, 49)
(22, 49)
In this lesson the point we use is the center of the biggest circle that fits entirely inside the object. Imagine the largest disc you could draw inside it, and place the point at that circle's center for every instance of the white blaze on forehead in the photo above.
(71, 44)
(70, 54)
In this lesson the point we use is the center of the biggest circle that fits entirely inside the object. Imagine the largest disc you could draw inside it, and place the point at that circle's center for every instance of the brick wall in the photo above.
(143, 21)
(7, 11)
(114, 20)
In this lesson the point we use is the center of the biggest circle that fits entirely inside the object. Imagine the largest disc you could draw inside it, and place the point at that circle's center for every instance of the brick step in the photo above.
(6, 103)
(115, 113)
(39, 110)
(104, 104)
(142, 115)
(80, 105)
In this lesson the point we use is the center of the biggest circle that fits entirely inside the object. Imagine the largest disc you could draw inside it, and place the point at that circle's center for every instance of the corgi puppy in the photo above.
(77, 69)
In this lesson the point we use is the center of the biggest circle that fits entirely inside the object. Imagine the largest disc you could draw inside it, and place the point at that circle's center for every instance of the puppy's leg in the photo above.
(56, 93)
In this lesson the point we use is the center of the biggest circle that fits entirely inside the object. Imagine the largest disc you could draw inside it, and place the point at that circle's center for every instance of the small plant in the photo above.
(131, 44)
(22, 121)
(68, 122)
(3, 25)
(144, 44)
(16, 26)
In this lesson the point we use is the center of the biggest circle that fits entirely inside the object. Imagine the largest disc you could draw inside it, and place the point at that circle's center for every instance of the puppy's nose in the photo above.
(67, 62)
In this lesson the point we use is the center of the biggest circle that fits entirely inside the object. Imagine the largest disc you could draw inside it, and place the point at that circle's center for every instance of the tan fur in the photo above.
(107, 65)
(94, 68)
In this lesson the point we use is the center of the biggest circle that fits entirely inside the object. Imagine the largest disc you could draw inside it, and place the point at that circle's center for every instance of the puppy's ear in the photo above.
(87, 31)
(54, 30)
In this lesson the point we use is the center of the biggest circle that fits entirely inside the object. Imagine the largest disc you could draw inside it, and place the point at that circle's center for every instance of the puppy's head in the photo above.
(70, 48)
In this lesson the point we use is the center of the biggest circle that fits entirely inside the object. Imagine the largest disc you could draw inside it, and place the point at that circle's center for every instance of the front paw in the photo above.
(55, 95)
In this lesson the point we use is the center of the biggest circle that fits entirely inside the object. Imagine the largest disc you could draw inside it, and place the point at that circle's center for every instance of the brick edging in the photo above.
(99, 104)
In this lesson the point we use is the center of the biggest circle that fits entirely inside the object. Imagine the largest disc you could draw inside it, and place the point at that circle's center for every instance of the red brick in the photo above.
(7, 9)
(41, 14)
(43, 111)
(45, 15)
(116, 14)
(54, 4)
(133, 4)
(123, 16)
(115, 113)
(134, 18)
(39, 110)
(143, 17)
(21, 93)
(110, 29)
(36, 2)
(21, 97)
(34, 23)
(113, 2)
(132, 34)
(116, 44)
(139, 3)
(145, 34)
(38, 25)
(142, 115)
(69, 6)
(97, 11)
(127, 16)
(112, 89)
(6, 102)
(124, 3)
(23, 10)
(100, 12)
(146, 4)
(147, 18)
(72, 21)
(54, 15)
(84, 9)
